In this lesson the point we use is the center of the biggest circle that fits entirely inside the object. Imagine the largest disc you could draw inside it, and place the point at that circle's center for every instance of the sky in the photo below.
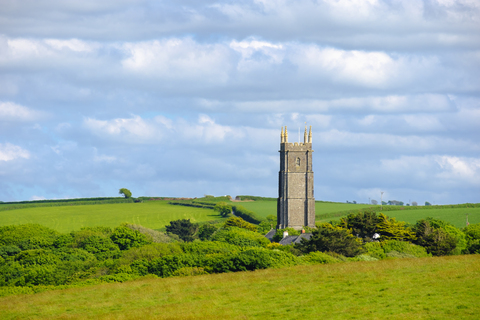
(186, 98)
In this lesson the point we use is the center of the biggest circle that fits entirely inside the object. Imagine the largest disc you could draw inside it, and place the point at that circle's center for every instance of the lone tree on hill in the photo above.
(126, 193)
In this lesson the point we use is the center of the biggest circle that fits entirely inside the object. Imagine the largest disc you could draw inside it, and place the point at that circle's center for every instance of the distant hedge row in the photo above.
(57, 203)
(63, 200)
(246, 214)
(205, 205)
(255, 198)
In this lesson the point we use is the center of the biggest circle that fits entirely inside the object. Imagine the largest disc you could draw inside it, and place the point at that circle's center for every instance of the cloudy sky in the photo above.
(187, 97)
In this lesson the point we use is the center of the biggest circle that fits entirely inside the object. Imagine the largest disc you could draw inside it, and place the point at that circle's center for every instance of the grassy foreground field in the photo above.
(150, 214)
(426, 288)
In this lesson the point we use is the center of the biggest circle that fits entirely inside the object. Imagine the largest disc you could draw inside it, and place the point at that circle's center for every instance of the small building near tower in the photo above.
(296, 203)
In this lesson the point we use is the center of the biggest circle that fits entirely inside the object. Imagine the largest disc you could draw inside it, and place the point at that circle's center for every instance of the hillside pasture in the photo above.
(150, 214)
(264, 208)
(424, 288)
(456, 216)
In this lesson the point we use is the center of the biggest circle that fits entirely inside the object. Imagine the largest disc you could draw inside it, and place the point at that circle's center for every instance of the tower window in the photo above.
(298, 162)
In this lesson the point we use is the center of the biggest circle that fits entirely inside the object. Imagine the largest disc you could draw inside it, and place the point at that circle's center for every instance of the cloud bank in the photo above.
(187, 98)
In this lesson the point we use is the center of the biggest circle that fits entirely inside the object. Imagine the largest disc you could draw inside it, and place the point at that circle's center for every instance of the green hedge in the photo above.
(246, 214)
(57, 203)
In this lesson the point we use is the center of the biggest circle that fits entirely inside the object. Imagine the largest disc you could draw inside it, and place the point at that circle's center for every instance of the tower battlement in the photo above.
(296, 203)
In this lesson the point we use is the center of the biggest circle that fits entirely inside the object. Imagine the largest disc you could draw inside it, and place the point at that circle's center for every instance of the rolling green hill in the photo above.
(426, 288)
(150, 214)
(70, 216)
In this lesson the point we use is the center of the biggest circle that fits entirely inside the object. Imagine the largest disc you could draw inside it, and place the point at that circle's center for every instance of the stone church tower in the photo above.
(295, 204)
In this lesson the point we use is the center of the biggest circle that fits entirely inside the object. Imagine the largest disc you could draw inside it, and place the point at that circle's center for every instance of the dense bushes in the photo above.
(239, 223)
(32, 255)
(333, 239)
(240, 237)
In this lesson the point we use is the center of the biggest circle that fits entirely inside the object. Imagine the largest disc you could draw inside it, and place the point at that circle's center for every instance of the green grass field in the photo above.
(150, 214)
(455, 216)
(157, 214)
(265, 208)
(426, 288)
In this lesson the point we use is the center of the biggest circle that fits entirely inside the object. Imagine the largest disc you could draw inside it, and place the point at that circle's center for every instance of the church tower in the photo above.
(295, 204)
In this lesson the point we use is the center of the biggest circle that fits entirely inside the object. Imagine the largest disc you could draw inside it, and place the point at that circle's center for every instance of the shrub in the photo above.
(127, 238)
(253, 259)
(472, 232)
(151, 235)
(435, 240)
(27, 236)
(317, 257)
(375, 250)
(390, 228)
(404, 247)
(102, 247)
(36, 257)
(363, 223)
(206, 231)
(240, 237)
(183, 228)
(9, 251)
(150, 252)
(334, 239)
(239, 223)
(209, 247)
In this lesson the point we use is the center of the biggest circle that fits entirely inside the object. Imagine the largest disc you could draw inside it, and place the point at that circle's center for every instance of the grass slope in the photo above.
(427, 288)
(455, 216)
(150, 214)
(264, 208)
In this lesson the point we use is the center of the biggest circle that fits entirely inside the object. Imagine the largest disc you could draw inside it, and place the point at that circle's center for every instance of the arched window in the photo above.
(298, 162)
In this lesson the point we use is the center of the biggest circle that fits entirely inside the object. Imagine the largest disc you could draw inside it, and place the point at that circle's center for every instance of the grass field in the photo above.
(427, 288)
(455, 216)
(150, 214)
(265, 208)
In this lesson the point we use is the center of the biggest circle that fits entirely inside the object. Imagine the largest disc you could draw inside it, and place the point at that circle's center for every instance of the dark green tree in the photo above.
(391, 229)
(239, 223)
(433, 238)
(223, 208)
(206, 231)
(183, 228)
(125, 192)
(333, 239)
(362, 224)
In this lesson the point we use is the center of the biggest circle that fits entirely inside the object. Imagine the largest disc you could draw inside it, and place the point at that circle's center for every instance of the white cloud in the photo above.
(10, 111)
(459, 169)
(132, 130)
(440, 170)
(178, 58)
(9, 152)
(423, 103)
